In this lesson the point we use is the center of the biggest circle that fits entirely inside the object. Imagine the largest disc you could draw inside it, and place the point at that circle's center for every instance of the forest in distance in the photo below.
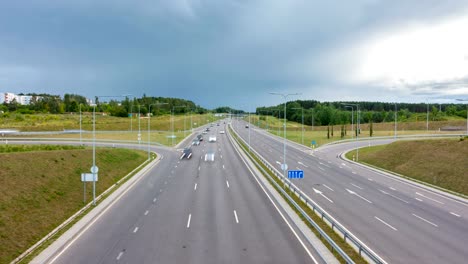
(312, 112)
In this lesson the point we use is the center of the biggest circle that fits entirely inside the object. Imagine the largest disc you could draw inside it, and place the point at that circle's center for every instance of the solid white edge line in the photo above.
(386, 223)
(188, 221)
(280, 213)
(381, 259)
(95, 220)
(457, 215)
(235, 215)
(427, 221)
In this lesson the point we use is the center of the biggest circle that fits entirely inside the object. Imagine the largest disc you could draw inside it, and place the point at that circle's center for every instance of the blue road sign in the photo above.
(295, 174)
(313, 142)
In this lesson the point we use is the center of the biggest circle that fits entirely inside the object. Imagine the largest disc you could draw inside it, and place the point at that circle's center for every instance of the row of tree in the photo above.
(46, 103)
(336, 113)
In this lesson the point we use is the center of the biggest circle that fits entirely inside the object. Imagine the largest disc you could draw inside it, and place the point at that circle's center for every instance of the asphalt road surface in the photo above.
(191, 211)
(401, 222)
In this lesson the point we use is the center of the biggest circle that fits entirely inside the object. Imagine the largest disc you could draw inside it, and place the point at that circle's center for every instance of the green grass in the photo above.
(319, 133)
(324, 226)
(441, 163)
(35, 198)
(108, 127)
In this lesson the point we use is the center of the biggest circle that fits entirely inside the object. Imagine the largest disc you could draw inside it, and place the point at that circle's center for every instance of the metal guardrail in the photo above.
(336, 226)
(298, 207)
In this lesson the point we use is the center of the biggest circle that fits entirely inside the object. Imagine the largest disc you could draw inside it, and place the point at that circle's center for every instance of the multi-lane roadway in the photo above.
(401, 222)
(191, 211)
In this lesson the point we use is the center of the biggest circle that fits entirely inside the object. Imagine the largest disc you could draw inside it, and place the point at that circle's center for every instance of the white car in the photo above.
(209, 156)
(212, 139)
(221, 132)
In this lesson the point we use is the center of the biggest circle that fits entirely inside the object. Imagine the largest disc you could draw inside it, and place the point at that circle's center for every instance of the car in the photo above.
(212, 139)
(217, 124)
(221, 132)
(207, 129)
(186, 153)
(210, 156)
(195, 142)
(246, 126)
(200, 137)
(205, 132)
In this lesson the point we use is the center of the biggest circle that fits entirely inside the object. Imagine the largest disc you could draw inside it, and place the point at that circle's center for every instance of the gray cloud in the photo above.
(213, 52)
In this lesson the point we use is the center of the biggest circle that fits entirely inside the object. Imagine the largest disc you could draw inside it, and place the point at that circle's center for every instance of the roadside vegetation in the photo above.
(306, 208)
(441, 163)
(326, 134)
(41, 188)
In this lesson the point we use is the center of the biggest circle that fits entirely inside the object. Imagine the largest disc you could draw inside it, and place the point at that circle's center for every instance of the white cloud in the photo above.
(415, 56)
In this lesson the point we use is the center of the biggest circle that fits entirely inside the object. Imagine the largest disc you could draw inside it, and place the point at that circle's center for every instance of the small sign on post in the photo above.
(88, 177)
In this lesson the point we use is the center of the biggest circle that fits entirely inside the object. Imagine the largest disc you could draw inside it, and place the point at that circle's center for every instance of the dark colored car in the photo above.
(186, 153)
(200, 138)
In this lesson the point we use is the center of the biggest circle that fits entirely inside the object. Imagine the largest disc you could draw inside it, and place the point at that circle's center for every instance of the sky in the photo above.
(236, 52)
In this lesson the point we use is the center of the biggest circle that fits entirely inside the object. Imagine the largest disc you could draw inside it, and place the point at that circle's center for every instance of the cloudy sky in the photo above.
(235, 52)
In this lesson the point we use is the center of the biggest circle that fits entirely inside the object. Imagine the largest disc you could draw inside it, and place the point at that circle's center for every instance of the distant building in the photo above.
(20, 99)
(9, 97)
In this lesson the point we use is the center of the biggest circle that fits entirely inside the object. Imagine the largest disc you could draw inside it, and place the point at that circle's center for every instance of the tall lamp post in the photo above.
(285, 97)
(358, 128)
(80, 126)
(302, 134)
(465, 100)
(352, 119)
(94, 169)
(395, 134)
(149, 125)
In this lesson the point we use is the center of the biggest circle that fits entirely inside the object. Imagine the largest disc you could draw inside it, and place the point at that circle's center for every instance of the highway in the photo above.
(401, 222)
(191, 211)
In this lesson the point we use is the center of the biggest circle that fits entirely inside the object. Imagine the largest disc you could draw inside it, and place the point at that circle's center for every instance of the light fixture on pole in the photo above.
(396, 114)
(94, 168)
(358, 127)
(284, 166)
(465, 100)
(352, 119)
(149, 125)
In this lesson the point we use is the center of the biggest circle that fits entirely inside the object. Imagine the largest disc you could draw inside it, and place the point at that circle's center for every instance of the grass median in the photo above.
(339, 240)
(41, 188)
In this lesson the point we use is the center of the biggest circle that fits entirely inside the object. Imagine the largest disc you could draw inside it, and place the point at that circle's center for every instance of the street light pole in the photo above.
(464, 100)
(427, 117)
(352, 120)
(358, 128)
(94, 168)
(285, 96)
(395, 134)
(80, 127)
(94, 154)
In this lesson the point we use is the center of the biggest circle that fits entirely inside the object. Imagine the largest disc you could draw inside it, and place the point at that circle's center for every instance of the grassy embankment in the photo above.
(41, 188)
(107, 127)
(319, 133)
(441, 163)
